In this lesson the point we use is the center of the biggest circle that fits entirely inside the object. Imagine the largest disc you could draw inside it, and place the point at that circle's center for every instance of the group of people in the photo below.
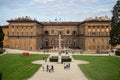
(48, 68)
(66, 65)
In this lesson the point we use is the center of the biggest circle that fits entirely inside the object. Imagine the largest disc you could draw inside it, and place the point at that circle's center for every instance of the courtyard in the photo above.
(15, 66)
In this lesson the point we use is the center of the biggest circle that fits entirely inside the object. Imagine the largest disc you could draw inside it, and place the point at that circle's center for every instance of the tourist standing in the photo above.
(47, 68)
(64, 66)
(52, 68)
(69, 65)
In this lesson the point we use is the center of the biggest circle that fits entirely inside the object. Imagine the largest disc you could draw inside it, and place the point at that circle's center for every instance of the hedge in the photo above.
(64, 59)
(53, 59)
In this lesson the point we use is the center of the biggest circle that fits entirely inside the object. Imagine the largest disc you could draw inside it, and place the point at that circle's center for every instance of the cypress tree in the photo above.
(115, 25)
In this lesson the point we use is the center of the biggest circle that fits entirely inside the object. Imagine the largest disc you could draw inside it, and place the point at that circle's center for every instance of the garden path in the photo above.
(74, 73)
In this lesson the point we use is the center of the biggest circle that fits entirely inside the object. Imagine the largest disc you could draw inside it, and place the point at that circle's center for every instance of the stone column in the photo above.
(59, 43)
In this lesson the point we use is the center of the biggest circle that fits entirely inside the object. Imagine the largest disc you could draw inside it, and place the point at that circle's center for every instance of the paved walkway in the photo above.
(74, 73)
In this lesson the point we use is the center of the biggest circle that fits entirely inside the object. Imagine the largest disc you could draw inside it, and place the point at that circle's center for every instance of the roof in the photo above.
(60, 23)
(5, 26)
(27, 19)
(24, 19)
(94, 21)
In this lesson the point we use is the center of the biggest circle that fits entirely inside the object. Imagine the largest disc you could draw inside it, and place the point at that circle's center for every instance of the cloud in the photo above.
(43, 1)
(49, 9)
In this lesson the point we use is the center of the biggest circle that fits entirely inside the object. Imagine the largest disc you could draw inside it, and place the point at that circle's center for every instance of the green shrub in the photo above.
(53, 59)
(64, 59)
(117, 52)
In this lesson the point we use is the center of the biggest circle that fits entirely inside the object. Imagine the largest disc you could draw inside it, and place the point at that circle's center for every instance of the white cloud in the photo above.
(48, 9)
(42, 1)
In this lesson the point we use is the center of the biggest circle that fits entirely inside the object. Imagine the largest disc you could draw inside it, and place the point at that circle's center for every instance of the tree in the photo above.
(1, 39)
(115, 25)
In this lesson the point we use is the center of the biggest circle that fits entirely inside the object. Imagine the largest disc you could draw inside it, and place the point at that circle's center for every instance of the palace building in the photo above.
(28, 34)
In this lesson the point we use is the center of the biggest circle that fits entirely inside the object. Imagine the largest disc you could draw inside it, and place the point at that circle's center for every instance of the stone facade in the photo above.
(89, 35)
(94, 35)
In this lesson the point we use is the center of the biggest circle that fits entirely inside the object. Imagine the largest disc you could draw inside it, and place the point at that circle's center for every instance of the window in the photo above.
(68, 32)
(74, 32)
(89, 26)
(93, 40)
(93, 26)
(89, 33)
(60, 32)
(46, 43)
(98, 33)
(93, 33)
(46, 32)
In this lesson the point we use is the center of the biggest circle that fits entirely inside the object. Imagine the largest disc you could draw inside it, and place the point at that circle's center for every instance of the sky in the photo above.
(50, 10)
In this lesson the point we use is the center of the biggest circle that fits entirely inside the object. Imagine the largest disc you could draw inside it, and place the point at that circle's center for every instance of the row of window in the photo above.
(98, 33)
(98, 47)
(102, 26)
(103, 40)
(67, 42)
(60, 32)
(23, 27)
(21, 33)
